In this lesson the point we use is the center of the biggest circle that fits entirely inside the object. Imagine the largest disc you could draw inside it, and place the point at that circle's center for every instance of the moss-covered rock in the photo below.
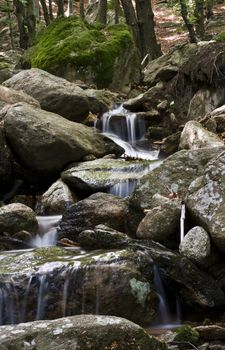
(186, 334)
(74, 49)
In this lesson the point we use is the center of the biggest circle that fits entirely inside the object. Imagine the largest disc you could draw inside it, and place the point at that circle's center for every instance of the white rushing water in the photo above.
(47, 231)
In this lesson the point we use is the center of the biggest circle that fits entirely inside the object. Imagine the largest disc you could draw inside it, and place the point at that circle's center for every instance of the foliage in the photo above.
(186, 334)
(87, 48)
(220, 37)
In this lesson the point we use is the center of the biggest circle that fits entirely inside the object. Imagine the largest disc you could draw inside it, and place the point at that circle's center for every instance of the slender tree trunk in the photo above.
(190, 28)
(146, 24)
(45, 12)
(60, 4)
(20, 15)
(30, 21)
(199, 15)
(131, 21)
(117, 10)
(102, 12)
(81, 5)
(209, 9)
(69, 10)
(50, 10)
(10, 24)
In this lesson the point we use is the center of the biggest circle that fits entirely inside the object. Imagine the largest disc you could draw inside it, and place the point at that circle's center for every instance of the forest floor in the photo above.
(170, 29)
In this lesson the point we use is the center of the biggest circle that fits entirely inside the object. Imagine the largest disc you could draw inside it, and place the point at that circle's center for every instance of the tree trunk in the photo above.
(45, 12)
(30, 21)
(117, 11)
(50, 10)
(199, 15)
(131, 21)
(81, 4)
(69, 11)
(209, 9)
(20, 15)
(190, 28)
(10, 24)
(102, 12)
(146, 24)
(60, 4)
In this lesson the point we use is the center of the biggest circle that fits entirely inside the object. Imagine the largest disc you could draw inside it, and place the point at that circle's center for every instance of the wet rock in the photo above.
(45, 143)
(16, 217)
(101, 174)
(170, 144)
(103, 237)
(198, 290)
(86, 332)
(160, 222)
(99, 208)
(196, 245)
(6, 164)
(195, 136)
(55, 200)
(53, 282)
(206, 200)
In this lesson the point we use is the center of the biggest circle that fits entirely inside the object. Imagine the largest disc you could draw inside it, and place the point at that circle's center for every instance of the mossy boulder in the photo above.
(74, 49)
(186, 334)
(86, 332)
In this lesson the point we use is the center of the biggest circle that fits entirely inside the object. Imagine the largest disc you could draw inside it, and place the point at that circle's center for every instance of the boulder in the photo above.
(217, 117)
(103, 237)
(45, 143)
(86, 332)
(206, 200)
(178, 170)
(99, 208)
(106, 57)
(195, 136)
(8, 62)
(56, 94)
(16, 217)
(160, 222)
(198, 290)
(55, 200)
(52, 282)
(166, 67)
(101, 174)
(196, 245)
(6, 164)
(11, 96)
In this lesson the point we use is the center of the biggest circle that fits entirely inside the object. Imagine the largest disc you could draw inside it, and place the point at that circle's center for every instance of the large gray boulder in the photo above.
(99, 208)
(55, 200)
(52, 282)
(45, 143)
(16, 217)
(206, 200)
(195, 136)
(83, 332)
(100, 174)
(11, 96)
(56, 94)
(196, 245)
(6, 160)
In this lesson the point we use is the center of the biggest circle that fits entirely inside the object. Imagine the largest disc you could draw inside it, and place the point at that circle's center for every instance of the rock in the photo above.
(205, 101)
(101, 174)
(211, 332)
(106, 57)
(55, 200)
(103, 237)
(11, 96)
(206, 200)
(218, 117)
(198, 290)
(45, 143)
(196, 245)
(8, 62)
(6, 164)
(99, 208)
(166, 67)
(195, 136)
(17, 217)
(160, 222)
(180, 169)
(55, 94)
(86, 332)
(170, 144)
(52, 282)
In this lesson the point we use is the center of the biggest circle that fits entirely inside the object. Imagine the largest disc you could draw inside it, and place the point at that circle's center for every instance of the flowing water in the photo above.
(47, 231)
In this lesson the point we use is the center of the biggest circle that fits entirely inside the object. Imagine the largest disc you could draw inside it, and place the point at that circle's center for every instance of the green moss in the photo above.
(186, 334)
(90, 49)
(3, 65)
(220, 37)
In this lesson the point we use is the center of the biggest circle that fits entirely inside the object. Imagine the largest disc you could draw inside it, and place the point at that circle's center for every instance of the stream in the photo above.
(39, 285)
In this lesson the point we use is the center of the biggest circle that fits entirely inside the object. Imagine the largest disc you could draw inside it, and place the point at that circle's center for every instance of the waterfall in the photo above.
(47, 231)
(167, 316)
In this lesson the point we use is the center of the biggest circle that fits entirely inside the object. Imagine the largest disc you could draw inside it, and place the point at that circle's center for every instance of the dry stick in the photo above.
(182, 218)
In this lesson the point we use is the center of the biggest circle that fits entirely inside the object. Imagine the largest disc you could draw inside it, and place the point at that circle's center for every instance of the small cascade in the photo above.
(128, 131)
(168, 316)
(47, 231)
(123, 189)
